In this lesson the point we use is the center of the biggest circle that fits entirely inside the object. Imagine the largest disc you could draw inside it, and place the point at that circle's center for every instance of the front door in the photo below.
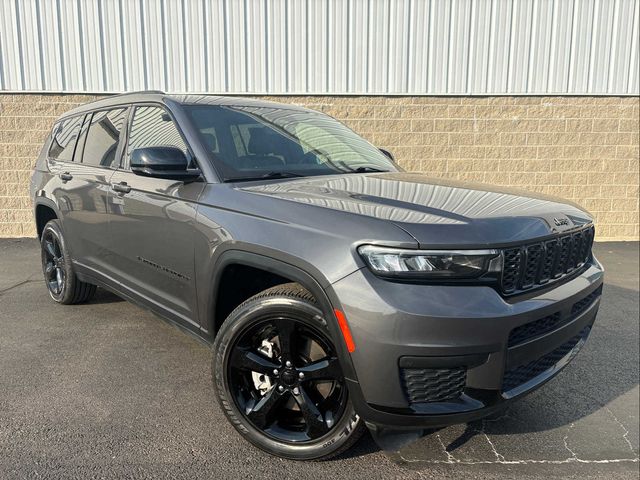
(152, 223)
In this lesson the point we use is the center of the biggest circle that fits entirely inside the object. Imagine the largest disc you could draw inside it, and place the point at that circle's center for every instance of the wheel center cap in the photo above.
(289, 377)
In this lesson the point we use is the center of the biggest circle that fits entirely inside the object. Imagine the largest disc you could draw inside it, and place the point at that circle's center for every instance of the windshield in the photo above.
(250, 143)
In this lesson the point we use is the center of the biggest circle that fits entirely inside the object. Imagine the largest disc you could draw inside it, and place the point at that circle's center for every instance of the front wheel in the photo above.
(277, 377)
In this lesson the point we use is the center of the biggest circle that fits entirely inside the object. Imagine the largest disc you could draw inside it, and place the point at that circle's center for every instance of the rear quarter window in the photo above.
(65, 135)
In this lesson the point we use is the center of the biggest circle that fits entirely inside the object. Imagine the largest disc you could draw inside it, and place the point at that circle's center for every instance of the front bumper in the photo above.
(500, 349)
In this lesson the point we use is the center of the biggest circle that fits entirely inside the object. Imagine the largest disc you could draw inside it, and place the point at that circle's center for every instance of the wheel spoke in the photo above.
(316, 426)
(59, 278)
(245, 359)
(327, 368)
(262, 413)
(57, 249)
(286, 337)
(48, 245)
(49, 270)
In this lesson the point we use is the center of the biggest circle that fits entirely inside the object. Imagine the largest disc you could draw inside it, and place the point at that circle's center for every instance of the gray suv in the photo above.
(337, 291)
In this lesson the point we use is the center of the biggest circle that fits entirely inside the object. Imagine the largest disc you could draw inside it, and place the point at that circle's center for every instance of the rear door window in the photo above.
(64, 139)
(103, 137)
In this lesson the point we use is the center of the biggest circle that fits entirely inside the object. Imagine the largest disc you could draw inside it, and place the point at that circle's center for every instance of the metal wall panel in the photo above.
(386, 47)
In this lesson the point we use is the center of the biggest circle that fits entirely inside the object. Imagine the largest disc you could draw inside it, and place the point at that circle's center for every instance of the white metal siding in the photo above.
(416, 47)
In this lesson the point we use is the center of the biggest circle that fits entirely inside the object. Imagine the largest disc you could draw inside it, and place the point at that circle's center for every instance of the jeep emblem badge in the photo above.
(561, 221)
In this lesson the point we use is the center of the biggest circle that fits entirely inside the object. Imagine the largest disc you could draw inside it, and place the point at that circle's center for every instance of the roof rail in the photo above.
(108, 101)
(137, 92)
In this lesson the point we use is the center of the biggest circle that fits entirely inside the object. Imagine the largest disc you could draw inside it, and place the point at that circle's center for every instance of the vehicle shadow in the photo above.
(365, 446)
(103, 296)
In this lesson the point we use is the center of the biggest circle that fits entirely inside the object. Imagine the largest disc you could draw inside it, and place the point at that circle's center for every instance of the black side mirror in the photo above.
(387, 154)
(162, 162)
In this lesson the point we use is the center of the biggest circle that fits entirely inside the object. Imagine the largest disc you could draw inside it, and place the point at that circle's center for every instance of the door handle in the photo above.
(121, 187)
(66, 176)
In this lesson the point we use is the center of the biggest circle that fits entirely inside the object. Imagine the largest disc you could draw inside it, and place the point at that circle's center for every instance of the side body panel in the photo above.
(82, 203)
(152, 238)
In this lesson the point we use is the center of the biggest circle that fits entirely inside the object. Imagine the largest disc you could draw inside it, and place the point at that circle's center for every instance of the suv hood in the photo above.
(436, 212)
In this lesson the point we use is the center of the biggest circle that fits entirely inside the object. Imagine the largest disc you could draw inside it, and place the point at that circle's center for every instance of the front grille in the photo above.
(581, 305)
(433, 385)
(522, 374)
(534, 329)
(536, 264)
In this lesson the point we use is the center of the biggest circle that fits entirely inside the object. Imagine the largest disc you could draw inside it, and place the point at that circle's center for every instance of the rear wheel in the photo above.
(63, 284)
(278, 378)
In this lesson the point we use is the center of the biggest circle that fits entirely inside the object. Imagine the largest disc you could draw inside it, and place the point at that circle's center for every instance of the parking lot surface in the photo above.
(108, 390)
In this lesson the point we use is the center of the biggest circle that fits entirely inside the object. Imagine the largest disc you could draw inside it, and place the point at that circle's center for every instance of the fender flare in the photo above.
(325, 297)
(42, 200)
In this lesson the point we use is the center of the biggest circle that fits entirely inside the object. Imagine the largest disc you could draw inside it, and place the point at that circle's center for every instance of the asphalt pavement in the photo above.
(108, 390)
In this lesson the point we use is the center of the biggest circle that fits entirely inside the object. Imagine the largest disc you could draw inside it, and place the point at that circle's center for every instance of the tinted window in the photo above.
(153, 127)
(251, 142)
(64, 139)
(102, 138)
(82, 138)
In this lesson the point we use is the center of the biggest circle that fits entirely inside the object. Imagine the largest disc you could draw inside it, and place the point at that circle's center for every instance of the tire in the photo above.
(62, 283)
(311, 432)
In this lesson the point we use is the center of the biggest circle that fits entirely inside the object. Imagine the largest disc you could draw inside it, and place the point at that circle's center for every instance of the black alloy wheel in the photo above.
(278, 378)
(304, 392)
(59, 275)
(53, 260)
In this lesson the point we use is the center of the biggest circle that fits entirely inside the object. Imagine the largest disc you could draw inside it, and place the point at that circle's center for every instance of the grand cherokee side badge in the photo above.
(163, 268)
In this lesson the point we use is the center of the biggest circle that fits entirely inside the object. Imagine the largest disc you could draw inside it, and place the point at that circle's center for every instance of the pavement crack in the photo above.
(625, 436)
(450, 457)
(499, 457)
(565, 440)
(523, 462)
(19, 284)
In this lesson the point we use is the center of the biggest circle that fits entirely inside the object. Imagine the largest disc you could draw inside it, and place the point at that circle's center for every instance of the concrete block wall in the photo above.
(584, 149)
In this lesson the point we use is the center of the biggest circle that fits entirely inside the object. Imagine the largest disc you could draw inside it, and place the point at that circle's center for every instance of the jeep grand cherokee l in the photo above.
(337, 290)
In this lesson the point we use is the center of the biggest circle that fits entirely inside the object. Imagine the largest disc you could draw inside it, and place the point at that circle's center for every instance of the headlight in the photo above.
(427, 264)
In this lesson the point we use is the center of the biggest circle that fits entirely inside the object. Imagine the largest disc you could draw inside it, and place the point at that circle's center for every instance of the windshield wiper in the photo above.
(268, 175)
(367, 170)
(281, 175)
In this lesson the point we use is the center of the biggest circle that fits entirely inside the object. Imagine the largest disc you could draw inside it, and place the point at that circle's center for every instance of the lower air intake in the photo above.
(433, 385)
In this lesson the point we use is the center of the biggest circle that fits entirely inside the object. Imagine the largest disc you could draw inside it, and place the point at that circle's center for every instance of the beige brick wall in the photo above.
(581, 148)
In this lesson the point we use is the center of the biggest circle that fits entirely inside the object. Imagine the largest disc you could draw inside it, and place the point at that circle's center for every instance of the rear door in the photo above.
(152, 224)
(66, 177)
(83, 194)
